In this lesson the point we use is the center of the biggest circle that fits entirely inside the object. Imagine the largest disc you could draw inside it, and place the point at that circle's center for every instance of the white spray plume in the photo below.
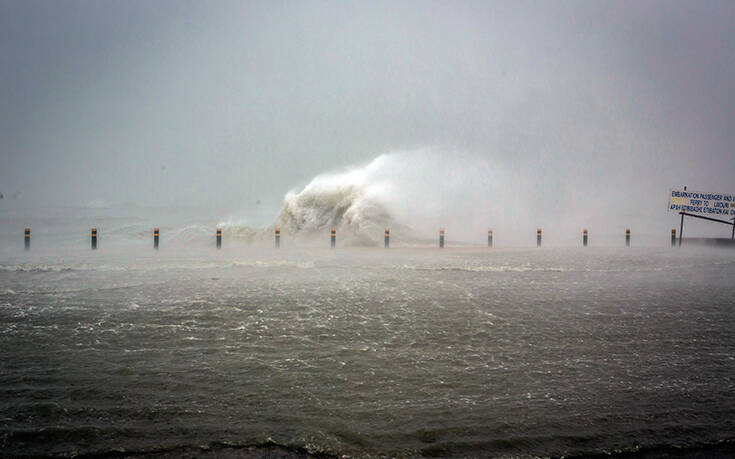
(414, 193)
(418, 192)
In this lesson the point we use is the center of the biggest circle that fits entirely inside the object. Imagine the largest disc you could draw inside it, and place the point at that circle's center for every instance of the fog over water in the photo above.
(307, 116)
(583, 114)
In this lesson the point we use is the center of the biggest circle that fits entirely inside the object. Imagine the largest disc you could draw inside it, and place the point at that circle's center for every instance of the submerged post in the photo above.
(627, 237)
(278, 237)
(387, 237)
(219, 238)
(673, 238)
(441, 238)
(334, 237)
(27, 239)
(538, 237)
(94, 238)
(584, 238)
(155, 238)
(489, 238)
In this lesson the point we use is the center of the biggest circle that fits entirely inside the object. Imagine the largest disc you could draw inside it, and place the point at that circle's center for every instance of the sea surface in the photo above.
(366, 352)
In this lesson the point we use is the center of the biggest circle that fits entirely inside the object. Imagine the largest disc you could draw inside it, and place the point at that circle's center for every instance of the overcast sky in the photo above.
(175, 102)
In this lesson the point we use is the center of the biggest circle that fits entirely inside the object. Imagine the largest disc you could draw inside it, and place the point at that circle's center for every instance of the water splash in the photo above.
(413, 193)
(352, 201)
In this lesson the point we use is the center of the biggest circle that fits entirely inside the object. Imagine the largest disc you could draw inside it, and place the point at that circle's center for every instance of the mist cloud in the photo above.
(592, 110)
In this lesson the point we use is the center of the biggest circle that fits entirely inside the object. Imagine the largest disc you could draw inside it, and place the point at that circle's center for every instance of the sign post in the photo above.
(681, 225)
(703, 205)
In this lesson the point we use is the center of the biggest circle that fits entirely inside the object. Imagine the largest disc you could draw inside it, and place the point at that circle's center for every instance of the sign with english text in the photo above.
(705, 203)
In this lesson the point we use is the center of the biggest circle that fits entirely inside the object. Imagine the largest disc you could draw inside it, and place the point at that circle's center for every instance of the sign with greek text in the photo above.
(697, 202)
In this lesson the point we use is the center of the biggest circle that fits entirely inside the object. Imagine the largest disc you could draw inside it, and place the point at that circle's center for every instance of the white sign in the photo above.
(697, 202)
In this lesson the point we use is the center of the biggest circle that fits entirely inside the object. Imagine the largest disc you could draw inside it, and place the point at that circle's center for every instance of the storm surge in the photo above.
(348, 207)
(411, 193)
(351, 201)
(355, 202)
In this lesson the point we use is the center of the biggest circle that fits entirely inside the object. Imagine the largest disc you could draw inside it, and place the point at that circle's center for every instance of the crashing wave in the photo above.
(350, 206)
(420, 187)
(353, 202)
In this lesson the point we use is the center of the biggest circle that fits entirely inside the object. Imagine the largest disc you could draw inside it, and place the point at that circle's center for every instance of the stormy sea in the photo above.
(356, 351)
(462, 351)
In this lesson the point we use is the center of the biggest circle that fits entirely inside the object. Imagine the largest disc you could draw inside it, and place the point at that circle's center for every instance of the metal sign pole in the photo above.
(681, 226)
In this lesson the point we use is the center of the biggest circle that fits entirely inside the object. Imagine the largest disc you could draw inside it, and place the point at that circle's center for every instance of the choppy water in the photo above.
(459, 352)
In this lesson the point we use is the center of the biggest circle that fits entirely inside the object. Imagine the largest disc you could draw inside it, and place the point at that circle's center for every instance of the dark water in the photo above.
(461, 352)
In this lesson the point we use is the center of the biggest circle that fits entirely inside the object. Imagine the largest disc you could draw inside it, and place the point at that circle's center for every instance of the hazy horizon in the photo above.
(121, 116)
(584, 114)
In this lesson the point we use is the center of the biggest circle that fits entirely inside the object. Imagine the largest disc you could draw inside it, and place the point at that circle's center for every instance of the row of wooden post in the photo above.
(333, 238)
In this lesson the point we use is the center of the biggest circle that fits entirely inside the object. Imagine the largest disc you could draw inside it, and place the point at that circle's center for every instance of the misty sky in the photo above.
(195, 103)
